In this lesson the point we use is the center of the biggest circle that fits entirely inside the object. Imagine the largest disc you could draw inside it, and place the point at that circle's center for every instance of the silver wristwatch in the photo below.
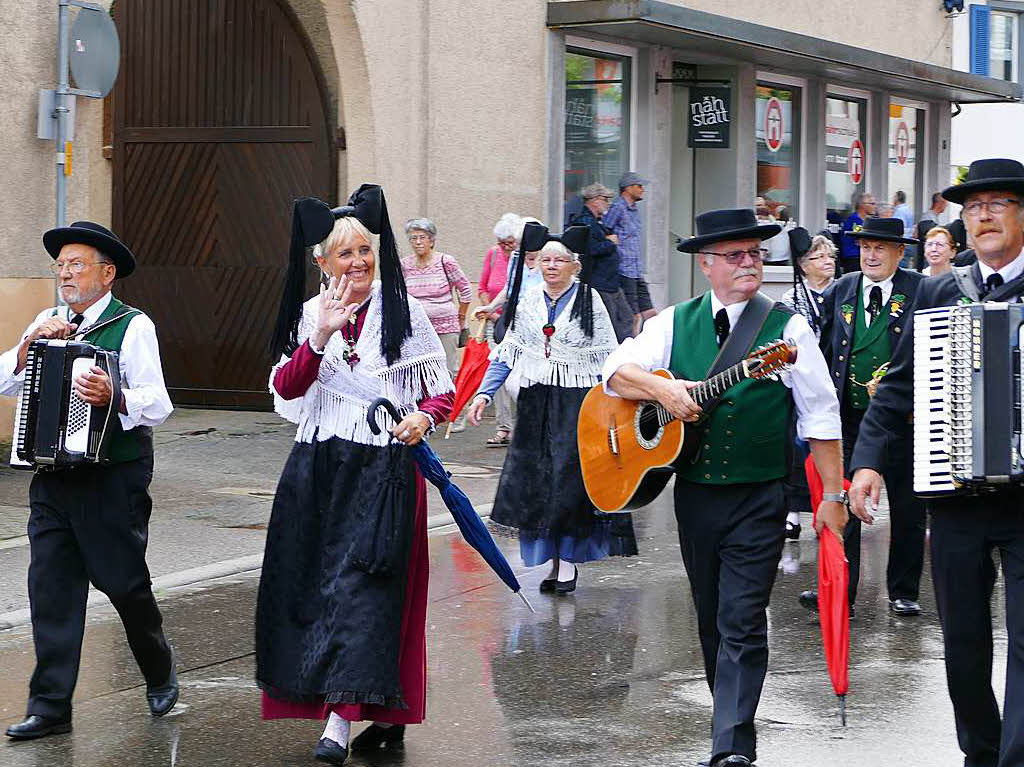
(837, 497)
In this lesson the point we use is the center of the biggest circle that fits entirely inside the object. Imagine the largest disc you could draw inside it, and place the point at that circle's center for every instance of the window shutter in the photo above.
(979, 39)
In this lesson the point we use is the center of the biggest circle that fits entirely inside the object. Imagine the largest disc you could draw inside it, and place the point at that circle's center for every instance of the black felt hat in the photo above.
(721, 225)
(99, 237)
(995, 174)
(312, 222)
(885, 229)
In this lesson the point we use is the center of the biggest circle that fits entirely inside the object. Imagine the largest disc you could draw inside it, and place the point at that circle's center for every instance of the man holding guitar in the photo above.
(728, 494)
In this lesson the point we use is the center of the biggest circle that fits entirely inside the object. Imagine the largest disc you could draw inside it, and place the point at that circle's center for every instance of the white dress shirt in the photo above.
(866, 285)
(142, 378)
(817, 407)
(1009, 272)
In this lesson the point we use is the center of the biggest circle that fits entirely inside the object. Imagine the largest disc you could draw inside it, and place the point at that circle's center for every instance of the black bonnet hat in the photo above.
(99, 237)
(721, 225)
(312, 222)
(986, 176)
(577, 240)
(799, 244)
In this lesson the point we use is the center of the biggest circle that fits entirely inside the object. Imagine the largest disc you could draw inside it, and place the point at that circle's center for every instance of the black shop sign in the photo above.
(710, 116)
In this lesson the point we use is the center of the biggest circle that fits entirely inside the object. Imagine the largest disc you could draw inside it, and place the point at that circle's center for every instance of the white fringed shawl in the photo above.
(335, 405)
(575, 360)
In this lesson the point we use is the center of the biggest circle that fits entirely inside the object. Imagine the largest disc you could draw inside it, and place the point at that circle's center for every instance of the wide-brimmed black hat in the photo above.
(886, 229)
(720, 225)
(986, 176)
(99, 237)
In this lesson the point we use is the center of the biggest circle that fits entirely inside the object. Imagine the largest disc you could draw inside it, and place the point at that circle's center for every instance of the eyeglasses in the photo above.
(419, 237)
(510, 243)
(995, 207)
(75, 267)
(736, 256)
(556, 260)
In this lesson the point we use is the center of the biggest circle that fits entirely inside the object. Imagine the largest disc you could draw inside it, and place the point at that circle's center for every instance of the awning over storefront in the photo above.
(712, 38)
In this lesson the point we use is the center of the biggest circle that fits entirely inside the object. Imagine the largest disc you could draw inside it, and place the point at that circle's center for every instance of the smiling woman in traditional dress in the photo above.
(340, 620)
(555, 345)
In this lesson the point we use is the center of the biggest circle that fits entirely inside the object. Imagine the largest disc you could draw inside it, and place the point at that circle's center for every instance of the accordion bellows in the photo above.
(53, 427)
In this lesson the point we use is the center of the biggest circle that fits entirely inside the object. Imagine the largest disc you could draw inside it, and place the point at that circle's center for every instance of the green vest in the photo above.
(746, 438)
(870, 350)
(138, 442)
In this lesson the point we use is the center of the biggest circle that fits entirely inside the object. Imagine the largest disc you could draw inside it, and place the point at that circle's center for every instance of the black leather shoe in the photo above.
(904, 607)
(731, 760)
(36, 726)
(809, 600)
(567, 587)
(547, 585)
(792, 530)
(162, 699)
(375, 736)
(329, 751)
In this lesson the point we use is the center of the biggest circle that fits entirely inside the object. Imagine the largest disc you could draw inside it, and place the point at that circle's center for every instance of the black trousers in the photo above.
(907, 516)
(965, 532)
(731, 538)
(89, 524)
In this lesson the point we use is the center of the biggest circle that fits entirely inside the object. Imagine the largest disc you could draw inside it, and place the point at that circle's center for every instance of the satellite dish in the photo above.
(95, 51)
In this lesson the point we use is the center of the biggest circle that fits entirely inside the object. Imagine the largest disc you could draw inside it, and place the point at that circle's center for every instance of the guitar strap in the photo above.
(740, 341)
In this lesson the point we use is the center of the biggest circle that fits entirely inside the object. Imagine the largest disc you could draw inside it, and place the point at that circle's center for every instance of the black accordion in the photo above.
(53, 427)
(967, 398)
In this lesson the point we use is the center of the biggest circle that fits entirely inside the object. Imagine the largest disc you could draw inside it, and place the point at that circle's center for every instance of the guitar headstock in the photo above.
(771, 359)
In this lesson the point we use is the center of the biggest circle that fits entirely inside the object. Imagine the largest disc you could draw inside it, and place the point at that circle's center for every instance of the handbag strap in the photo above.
(740, 341)
(451, 287)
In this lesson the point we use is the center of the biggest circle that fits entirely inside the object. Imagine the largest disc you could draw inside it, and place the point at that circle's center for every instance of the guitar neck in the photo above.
(709, 389)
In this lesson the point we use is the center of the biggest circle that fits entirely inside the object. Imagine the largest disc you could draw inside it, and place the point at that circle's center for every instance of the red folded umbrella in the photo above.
(833, 595)
(471, 373)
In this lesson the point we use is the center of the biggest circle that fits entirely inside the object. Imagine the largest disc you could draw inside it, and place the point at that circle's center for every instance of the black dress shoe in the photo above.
(329, 751)
(547, 585)
(162, 699)
(809, 600)
(375, 736)
(792, 530)
(567, 587)
(36, 726)
(904, 607)
(731, 760)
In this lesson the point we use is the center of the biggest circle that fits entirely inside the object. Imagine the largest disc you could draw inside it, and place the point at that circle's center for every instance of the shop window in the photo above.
(777, 132)
(906, 162)
(597, 120)
(846, 154)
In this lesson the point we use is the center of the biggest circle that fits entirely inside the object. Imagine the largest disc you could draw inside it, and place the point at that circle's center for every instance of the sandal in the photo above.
(500, 439)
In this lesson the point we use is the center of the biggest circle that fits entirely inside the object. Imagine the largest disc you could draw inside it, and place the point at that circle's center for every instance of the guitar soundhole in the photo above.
(647, 425)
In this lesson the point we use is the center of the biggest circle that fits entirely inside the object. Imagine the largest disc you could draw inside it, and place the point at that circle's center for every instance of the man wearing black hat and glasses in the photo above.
(729, 499)
(91, 523)
(864, 314)
(965, 529)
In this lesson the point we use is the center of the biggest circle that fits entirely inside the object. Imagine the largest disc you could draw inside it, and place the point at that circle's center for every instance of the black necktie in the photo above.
(874, 303)
(79, 320)
(995, 280)
(722, 325)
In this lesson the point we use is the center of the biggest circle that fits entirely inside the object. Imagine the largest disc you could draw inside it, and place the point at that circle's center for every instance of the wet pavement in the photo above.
(610, 675)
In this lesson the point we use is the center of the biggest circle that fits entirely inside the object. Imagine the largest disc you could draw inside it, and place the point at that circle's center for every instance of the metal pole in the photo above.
(61, 107)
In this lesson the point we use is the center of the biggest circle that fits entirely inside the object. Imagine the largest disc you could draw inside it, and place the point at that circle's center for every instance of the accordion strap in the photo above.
(964, 279)
(122, 312)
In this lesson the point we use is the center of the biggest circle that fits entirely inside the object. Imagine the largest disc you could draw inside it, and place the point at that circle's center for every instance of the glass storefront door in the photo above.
(846, 153)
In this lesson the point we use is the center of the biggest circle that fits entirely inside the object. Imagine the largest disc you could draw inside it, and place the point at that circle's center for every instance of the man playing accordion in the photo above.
(90, 522)
(965, 529)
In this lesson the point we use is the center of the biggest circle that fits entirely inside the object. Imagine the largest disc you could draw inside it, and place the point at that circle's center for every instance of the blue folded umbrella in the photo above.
(470, 525)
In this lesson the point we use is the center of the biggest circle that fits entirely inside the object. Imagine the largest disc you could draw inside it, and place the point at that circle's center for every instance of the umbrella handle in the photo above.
(481, 331)
(371, 413)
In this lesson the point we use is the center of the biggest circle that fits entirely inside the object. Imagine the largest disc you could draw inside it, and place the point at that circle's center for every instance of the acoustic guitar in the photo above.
(629, 448)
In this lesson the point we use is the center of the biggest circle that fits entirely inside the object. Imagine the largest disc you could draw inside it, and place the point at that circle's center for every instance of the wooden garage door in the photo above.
(219, 123)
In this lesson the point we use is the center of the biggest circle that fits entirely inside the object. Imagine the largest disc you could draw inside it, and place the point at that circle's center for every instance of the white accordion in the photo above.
(967, 398)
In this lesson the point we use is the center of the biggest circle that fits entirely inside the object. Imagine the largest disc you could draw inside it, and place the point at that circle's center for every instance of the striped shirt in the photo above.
(432, 285)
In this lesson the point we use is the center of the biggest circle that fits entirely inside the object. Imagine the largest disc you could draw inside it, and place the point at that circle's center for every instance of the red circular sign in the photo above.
(773, 127)
(855, 162)
(902, 143)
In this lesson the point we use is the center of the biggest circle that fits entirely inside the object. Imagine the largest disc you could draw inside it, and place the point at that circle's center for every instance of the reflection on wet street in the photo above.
(610, 675)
